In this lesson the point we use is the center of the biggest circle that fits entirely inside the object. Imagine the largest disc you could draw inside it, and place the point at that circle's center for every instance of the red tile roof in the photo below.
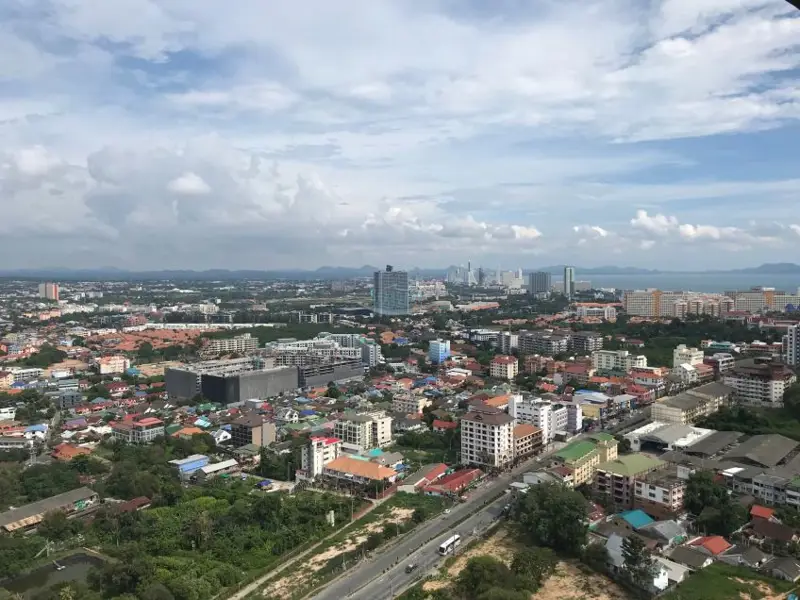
(761, 512)
(439, 424)
(504, 360)
(715, 544)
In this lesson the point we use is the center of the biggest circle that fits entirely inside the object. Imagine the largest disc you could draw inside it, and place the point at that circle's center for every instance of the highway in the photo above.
(383, 573)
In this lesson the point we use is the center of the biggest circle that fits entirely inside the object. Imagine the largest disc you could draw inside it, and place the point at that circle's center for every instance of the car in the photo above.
(447, 511)
(411, 567)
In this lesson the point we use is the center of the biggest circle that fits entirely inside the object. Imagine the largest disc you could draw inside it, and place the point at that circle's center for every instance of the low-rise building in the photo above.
(527, 441)
(143, 431)
(617, 360)
(112, 365)
(617, 478)
(410, 403)
(660, 493)
(28, 516)
(186, 467)
(252, 429)
(504, 367)
(364, 430)
(691, 405)
(319, 452)
(358, 471)
(760, 383)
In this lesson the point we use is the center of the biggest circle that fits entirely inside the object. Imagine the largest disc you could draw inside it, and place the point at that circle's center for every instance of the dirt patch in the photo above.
(765, 592)
(286, 586)
(570, 583)
(499, 546)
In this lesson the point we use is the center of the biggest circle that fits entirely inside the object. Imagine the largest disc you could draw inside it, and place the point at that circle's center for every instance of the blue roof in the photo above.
(133, 371)
(19, 384)
(636, 518)
(375, 452)
(307, 412)
(302, 400)
(39, 427)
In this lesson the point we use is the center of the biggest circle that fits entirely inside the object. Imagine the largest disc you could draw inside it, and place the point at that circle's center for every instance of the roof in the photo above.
(179, 462)
(456, 481)
(220, 466)
(773, 531)
(10, 519)
(439, 424)
(714, 443)
(761, 512)
(492, 417)
(525, 429)
(575, 451)
(187, 431)
(503, 360)
(635, 518)
(149, 422)
(686, 555)
(367, 470)
(715, 544)
(602, 436)
(764, 450)
(789, 566)
(631, 464)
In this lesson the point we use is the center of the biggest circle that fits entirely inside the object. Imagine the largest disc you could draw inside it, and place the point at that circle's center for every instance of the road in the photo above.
(386, 569)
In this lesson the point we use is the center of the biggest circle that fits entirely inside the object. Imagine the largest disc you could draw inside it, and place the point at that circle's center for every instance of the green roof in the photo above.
(631, 464)
(602, 437)
(575, 451)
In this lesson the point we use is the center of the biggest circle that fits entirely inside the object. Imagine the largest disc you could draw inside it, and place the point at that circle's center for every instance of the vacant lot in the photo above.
(724, 582)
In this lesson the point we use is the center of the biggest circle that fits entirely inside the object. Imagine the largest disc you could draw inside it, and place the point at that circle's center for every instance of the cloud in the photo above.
(591, 230)
(188, 184)
(658, 224)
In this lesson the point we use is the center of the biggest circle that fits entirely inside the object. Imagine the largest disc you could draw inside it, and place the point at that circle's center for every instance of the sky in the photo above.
(149, 134)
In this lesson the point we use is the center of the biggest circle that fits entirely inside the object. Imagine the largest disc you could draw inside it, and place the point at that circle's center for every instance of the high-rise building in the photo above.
(391, 292)
(791, 346)
(569, 281)
(439, 351)
(539, 282)
(48, 291)
(487, 438)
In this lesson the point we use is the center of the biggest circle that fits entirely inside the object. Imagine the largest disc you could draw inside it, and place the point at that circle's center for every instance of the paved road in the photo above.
(358, 582)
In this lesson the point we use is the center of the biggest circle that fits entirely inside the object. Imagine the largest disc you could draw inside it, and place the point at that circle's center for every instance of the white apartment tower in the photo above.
(487, 438)
(683, 355)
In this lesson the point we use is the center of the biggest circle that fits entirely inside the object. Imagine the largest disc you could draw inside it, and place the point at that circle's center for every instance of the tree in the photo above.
(481, 574)
(596, 556)
(554, 516)
(533, 566)
(333, 391)
(55, 526)
(638, 564)
(624, 444)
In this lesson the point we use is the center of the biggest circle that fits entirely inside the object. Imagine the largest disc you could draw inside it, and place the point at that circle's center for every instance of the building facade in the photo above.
(504, 367)
(617, 360)
(540, 283)
(760, 384)
(319, 452)
(439, 351)
(683, 355)
(617, 478)
(487, 438)
(253, 429)
(390, 292)
(569, 281)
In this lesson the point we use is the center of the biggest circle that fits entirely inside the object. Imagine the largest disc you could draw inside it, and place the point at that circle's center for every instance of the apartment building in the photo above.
(586, 342)
(253, 429)
(602, 311)
(760, 383)
(390, 292)
(112, 365)
(617, 478)
(439, 351)
(143, 431)
(580, 459)
(319, 452)
(48, 291)
(543, 342)
(410, 404)
(660, 493)
(507, 342)
(364, 430)
(527, 441)
(487, 438)
(6, 380)
(791, 346)
(240, 344)
(683, 355)
(504, 367)
(687, 407)
(617, 360)
(546, 416)
(720, 362)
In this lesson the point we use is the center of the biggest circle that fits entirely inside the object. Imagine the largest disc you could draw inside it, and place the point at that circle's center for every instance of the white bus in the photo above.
(450, 544)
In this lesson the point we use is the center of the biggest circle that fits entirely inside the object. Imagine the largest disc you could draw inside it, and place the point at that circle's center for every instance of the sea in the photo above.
(694, 282)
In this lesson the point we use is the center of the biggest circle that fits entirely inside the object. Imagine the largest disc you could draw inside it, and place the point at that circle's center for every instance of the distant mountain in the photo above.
(332, 272)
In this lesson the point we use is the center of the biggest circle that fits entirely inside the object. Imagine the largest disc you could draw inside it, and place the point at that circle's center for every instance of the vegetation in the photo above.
(717, 512)
(47, 355)
(721, 581)
(755, 422)
(555, 517)
(20, 486)
(638, 564)
(436, 447)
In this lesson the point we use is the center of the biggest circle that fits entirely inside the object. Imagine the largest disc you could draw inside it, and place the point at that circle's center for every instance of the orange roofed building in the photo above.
(358, 471)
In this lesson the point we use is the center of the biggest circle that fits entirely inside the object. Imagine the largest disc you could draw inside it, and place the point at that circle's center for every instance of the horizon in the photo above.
(659, 134)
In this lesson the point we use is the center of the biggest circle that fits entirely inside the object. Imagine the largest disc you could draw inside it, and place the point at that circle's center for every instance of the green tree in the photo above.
(55, 526)
(554, 516)
(595, 555)
(638, 564)
(333, 391)
(481, 574)
(533, 566)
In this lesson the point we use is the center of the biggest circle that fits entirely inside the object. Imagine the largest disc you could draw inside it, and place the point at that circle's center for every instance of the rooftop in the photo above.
(367, 470)
(714, 443)
(575, 451)
(525, 430)
(636, 518)
(631, 464)
(33, 512)
(486, 416)
(764, 450)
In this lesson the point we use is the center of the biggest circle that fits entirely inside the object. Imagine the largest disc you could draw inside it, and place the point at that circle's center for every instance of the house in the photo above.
(711, 545)
(631, 520)
(746, 556)
(422, 478)
(771, 531)
(784, 568)
(688, 556)
(761, 512)
(614, 545)
(676, 572)
(440, 426)
(667, 533)
(66, 452)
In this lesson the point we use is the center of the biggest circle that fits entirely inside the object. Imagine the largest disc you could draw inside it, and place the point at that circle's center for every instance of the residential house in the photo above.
(692, 558)
(712, 545)
(786, 568)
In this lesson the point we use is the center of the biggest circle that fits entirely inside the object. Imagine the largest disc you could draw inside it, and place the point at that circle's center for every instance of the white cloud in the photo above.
(658, 224)
(189, 184)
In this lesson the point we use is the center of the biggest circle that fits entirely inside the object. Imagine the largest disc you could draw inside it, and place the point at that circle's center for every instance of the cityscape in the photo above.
(399, 300)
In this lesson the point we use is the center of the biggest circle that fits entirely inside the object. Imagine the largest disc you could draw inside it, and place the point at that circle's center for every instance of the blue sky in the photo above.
(197, 134)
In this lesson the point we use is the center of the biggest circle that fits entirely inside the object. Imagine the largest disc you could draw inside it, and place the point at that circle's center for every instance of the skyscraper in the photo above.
(539, 282)
(569, 281)
(391, 292)
(48, 291)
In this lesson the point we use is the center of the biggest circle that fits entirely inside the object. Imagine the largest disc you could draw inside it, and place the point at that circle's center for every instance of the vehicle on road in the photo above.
(449, 545)
(447, 511)
(411, 567)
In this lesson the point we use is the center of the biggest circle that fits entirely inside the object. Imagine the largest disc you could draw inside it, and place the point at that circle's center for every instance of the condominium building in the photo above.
(370, 350)
(143, 431)
(617, 478)
(439, 351)
(721, 362)
(691, 405)
(112, 365)
(586, 342)
(569, 281)
(683, 355)
(487, 438)
(791, 346)
(410, 404)
(319, 452)
(617, 360)
(252, 429)
(364, 430)
(660, 493)
(390, 289)
(539, 283)
(240, 344)
(48, 291)
(602, 311)
(759, 383)
(507, 342)
(543, 342)
(504, 367)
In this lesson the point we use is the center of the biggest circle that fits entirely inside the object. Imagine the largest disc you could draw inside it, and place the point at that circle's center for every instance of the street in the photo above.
(383, 574)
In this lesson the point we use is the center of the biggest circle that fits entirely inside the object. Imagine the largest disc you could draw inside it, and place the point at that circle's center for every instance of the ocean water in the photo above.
(696, 282)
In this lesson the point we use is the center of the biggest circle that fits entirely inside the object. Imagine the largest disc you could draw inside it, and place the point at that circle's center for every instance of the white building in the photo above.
(504, 367)
(239, 344)
(410, 404)
(617, 360)
(760, 384)
(487, 438)
(683, 355)
(319, 452)
(112, 365)
(365, 430)
(507, 342)
(687, 374)
(607, 312)
(791, 346)
(547, 416)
